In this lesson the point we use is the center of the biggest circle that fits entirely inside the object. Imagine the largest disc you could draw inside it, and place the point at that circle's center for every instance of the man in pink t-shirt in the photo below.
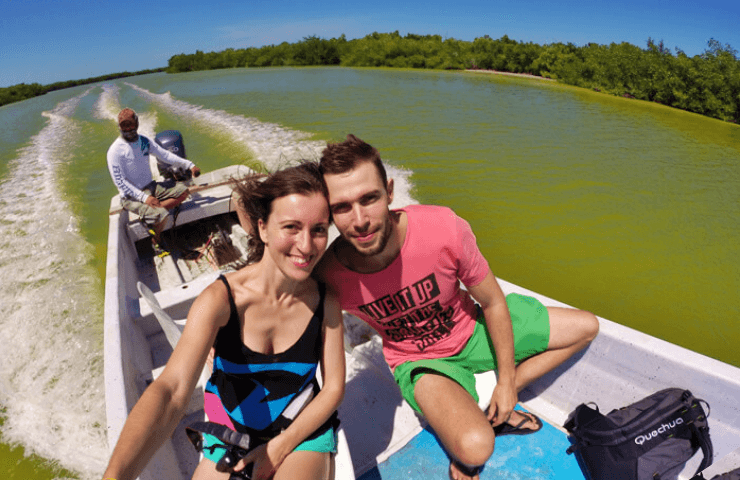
(400, 271)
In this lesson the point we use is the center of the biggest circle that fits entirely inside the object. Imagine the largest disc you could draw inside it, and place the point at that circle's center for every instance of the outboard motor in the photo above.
(172, 140)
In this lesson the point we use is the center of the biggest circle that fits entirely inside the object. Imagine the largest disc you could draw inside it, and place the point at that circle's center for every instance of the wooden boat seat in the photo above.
(173, 331)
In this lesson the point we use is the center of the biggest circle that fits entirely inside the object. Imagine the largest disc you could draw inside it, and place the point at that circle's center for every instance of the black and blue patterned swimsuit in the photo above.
(249, 390)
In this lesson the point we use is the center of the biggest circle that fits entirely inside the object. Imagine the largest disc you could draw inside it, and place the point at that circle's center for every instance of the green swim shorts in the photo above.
(531, 325)
(324, 443)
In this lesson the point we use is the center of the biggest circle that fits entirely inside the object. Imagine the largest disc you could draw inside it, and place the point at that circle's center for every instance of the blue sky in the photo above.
(47, 41)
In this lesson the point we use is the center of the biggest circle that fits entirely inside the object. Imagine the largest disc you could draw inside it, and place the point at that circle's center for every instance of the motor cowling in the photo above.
(172, 140)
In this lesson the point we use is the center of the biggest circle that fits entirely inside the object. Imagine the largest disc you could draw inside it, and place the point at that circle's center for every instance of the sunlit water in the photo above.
(626, 209)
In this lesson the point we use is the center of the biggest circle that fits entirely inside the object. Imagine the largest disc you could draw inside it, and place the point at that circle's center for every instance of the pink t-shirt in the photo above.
(416, 303)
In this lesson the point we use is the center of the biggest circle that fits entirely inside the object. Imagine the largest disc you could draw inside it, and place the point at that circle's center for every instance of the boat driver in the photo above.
(128, 163)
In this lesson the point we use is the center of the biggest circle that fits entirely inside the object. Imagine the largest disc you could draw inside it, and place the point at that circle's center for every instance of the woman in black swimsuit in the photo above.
(272, 327)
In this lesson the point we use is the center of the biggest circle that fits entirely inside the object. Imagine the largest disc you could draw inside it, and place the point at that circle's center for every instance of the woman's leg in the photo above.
(206, 470)
(307, 465)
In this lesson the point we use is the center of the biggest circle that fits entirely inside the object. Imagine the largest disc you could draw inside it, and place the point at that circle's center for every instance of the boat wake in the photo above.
(51, 382)
(274, 145)
(108, 106)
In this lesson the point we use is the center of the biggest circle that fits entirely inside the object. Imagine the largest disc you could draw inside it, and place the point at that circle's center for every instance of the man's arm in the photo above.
(170, 158)
(491, 298)
(118, 176)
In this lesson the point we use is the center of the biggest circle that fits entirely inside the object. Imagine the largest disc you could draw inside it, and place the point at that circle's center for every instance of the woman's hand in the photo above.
(266, 459)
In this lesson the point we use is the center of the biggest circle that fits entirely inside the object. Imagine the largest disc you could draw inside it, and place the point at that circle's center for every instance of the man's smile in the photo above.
(365, 237)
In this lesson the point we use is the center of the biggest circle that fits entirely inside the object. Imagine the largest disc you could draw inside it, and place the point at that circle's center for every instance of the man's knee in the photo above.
(456, 418)
(571, 329)
(475, 445)
(585, 327)
(172, 202)
(590, 326)
(182, 197)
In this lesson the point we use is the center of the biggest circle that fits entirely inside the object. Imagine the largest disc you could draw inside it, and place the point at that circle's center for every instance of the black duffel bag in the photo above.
(652, 439)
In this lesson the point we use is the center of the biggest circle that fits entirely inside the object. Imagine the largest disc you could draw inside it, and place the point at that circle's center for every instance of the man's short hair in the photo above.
(127, 116)
(345, 156)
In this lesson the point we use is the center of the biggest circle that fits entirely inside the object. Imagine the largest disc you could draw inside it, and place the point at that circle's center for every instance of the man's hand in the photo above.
(503, 401)
(153, 202)
(195, 171)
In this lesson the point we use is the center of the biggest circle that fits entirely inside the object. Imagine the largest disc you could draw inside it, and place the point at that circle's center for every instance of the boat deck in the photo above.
(539, 456)
(195, 249)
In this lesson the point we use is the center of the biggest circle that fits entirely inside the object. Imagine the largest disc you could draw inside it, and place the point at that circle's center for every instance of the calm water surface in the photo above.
(619, 207)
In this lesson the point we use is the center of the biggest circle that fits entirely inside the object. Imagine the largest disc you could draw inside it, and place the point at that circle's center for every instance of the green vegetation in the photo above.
(19, 92)
(708, 84)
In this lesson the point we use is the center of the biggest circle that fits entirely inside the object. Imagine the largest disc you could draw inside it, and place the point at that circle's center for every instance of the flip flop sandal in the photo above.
(506, 429)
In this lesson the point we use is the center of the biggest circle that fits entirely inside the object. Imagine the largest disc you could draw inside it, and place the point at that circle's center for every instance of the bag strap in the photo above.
(222, 432)
(243, 440)
(702, 433)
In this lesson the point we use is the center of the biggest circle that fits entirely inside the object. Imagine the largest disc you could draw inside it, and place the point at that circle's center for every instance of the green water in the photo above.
(620, 207)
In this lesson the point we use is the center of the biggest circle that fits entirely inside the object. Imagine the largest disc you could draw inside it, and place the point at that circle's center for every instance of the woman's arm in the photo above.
(161, 407)
(322, 406)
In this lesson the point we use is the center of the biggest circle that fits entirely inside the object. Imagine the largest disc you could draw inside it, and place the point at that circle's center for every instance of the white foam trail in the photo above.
(401, 186)
(108, 106)
(51, 369)
(273, 145)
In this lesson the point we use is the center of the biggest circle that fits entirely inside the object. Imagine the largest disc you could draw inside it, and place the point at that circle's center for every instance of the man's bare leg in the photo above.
(570, 332)
(157, 229)
(458, 421)
(171, 203)
(456, 418)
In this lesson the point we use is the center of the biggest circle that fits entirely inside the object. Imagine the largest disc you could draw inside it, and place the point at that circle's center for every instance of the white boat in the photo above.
(380, 436)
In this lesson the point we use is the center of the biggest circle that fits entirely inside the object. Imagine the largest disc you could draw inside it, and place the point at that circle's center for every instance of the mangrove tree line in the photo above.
(708, 84)
(23, 91)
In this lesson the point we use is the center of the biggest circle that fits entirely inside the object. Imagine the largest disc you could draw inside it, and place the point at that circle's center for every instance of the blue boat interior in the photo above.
(539, 456)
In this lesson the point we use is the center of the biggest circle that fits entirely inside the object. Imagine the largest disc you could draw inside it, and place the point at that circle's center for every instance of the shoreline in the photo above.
(509, 74)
